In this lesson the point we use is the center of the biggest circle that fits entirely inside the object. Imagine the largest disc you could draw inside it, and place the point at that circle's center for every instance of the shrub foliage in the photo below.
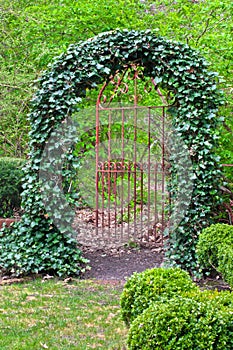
(215, 250)
(146, 287)
(166, 310)
(11, 175)
(225, 260)
(183, 323)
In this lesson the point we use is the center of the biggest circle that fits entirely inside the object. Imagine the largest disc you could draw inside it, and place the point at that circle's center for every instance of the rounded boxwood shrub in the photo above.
(215, 250)
(208, 243)
(11, 175)
(143, 288)
(184, 324)
(222, 299)
(225, 262)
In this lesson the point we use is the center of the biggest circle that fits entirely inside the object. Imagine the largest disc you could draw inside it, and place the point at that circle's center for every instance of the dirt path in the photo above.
(120, 264)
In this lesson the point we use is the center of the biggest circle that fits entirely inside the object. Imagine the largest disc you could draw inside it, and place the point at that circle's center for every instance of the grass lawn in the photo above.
(52, 314)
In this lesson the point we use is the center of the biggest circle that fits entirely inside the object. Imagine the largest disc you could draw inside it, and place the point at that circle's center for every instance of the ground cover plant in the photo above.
(57, 315)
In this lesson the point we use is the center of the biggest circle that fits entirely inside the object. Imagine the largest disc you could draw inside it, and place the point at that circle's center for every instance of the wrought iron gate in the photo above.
(131, 159)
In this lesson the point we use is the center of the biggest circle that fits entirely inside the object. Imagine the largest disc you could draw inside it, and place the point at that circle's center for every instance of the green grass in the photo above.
(53, 314)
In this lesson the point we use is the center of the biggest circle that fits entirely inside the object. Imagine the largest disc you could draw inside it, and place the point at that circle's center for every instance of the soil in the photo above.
(119, 264)
(116, 266)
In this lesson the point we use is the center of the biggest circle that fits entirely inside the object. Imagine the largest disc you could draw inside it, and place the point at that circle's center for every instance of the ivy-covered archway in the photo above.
(35, 244)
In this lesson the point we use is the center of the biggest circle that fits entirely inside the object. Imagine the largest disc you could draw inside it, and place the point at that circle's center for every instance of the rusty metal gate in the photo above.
(131, 159)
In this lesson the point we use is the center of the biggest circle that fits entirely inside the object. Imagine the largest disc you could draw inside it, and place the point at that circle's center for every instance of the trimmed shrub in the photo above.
(183, 324)
(223, 299)
(11, 174)
(144, 288)
(215, 250)
(225, 261)
(209, 241)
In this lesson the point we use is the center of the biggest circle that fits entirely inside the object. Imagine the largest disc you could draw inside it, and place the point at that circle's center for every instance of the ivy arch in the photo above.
(61, 89)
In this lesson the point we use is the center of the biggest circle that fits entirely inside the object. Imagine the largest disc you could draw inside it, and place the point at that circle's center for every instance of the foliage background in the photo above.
(32, 33)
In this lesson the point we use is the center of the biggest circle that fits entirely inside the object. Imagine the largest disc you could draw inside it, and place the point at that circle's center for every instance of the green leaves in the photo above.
(215, 250)
(195, 322)
(11, 175)
(34, 33)
(143, 289)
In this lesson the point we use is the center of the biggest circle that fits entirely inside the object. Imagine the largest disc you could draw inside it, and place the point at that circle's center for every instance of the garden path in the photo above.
(118, 264)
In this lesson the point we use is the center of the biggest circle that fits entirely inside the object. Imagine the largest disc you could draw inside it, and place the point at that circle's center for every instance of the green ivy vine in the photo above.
(35, 244)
